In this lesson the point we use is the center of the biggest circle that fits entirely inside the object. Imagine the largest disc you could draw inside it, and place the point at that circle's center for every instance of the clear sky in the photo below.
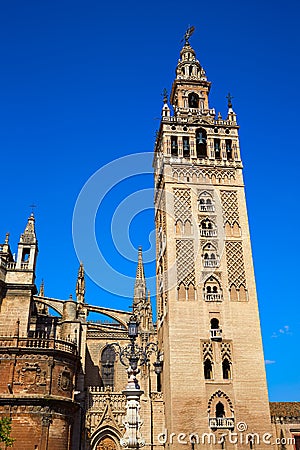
(80, 86)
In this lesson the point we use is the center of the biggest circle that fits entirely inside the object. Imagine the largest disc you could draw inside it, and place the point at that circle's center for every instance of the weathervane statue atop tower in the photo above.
(188, 34)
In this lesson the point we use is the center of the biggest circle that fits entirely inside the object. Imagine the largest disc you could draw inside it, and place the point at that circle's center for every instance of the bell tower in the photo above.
(207, 312)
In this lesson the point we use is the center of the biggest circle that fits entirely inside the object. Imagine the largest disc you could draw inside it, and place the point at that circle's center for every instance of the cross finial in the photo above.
(188, 34)
(165, 95)
(229, 98)
(33, 206)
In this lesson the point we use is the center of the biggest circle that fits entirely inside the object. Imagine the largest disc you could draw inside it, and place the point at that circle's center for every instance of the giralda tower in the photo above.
(207, 313)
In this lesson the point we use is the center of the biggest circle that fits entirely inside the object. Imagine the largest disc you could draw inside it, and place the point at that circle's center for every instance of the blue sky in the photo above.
(81, 84)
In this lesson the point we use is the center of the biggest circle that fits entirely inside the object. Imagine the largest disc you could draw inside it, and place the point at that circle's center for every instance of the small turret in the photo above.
(231, 114)
(28, 247)
(140, 283)
(165, 110)
(141, 301)
(5, 252)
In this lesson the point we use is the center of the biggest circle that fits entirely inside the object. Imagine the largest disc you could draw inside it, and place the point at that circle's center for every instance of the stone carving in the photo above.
(31, 374)
(64, 381)
(107, 443)
(46, 420)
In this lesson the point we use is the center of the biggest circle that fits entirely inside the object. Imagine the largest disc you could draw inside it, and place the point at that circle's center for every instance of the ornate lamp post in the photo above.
(132, 356)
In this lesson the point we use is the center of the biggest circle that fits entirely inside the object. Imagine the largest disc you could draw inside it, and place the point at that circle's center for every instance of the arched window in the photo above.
(214, 324)
(207, 228)
(206, 202)
(201, 139)
(193, 100)
(215, 330)
(186, 147)
(226, 369)
(208, 374)
(220, 411)
(174, 146)
(107, 366)
(210, 258)
(217, 148)
(228, 144)
(212, 290)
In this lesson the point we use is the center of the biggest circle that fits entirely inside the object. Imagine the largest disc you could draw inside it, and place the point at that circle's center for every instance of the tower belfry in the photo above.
(207, 312)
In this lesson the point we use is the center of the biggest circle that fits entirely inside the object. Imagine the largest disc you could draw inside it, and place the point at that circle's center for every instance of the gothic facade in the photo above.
(62, 382)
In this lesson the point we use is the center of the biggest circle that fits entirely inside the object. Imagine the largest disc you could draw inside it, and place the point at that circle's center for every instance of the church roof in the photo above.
(285, 409)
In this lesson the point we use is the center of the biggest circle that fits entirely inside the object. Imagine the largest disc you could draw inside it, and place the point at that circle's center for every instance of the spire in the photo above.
(165, 110)
(42, 289)
(140, 283)
(29, 236)
(188, 67)
(27, 247)
(231, 114)
(80, 284)
(190, 89)
(5, 247)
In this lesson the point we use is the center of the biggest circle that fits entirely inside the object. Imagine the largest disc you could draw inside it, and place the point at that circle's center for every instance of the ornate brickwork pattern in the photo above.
(207, 350)
(235, 264)
(182, 204)
(103, 405)
(226, 351)
(230, 207)
(221, 176)
(185, 261)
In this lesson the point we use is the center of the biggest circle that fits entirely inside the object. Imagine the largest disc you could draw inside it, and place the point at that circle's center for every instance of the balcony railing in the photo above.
(213, 297)
(208, 232)
(221, 422)
(12, 265)
(216, 334)
(206, 208)
(38, 343)
(210, 263)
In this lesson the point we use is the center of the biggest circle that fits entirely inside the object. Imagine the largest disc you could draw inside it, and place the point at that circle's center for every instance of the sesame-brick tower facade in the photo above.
(207, 311)
(62, 379)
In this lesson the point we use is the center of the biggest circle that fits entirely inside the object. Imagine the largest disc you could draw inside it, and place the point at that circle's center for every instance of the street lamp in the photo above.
(132, 356)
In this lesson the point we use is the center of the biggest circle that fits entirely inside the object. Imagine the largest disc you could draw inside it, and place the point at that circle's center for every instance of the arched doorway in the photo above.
(106, 443)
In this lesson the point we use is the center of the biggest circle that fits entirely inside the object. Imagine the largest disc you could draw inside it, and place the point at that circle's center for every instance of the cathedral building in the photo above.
(62, 379)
